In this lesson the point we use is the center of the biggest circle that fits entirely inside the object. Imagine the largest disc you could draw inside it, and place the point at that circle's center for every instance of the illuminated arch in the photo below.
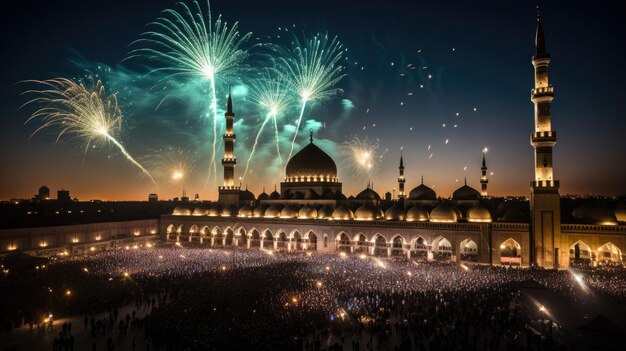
(580, 253)
(609, 252)
(468, 250)
(510, 252)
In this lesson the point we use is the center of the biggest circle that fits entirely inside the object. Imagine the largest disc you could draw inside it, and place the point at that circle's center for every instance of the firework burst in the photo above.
(85, 113)
(190, 45)
(312, 68)
(362, 157)
(270, 94)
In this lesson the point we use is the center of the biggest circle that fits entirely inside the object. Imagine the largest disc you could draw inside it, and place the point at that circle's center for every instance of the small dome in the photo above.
(230, 210)
(274, 195)
(246, 195)
(395, 213)
(181, 210)
(367, 212)
(514, 215)
(478, 214)
(340, 196)
(273, 211)
(328, 194)
(201, 210)
(368, 194)
(311, 195)
(342, 212)
(263, 196)
(215, 210)
(620, 214)
(245, 211)
(259, 211)
(443, 213)
(422, 192)
(466, 193)
(417, 214)
(290, 211)
(310, 163)
(603, 216)
(325, 212)
(307, 212)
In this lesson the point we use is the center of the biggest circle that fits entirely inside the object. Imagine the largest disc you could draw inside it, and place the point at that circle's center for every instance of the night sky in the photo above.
(477, 54)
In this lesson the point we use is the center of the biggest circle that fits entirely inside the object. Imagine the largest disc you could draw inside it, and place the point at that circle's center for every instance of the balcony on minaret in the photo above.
(230, 136)
(542, 91)
(229, 161)
(545, 184)
(545, 138)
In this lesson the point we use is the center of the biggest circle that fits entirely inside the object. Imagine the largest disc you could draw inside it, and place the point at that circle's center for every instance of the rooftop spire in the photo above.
(540, 39)
(230, 102)
(422, 179)
(401, 161)
(484, 163)
(311, 135)
(465, 180)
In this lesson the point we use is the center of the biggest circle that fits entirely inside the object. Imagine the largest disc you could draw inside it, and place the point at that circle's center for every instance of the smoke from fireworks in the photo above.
(190, 45)
(269, 93)
(362, 157)
(312, 69)
(85, 113)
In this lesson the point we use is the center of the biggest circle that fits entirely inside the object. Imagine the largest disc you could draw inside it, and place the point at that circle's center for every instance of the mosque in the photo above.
(310, 212)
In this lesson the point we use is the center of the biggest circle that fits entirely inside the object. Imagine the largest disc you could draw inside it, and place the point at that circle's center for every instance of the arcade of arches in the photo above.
(420, 243)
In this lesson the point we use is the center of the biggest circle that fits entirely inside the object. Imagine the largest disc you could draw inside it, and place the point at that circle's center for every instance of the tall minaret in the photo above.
(401, 180)
(229, 192)
(483, 178)
(229, 161)
(545, 201)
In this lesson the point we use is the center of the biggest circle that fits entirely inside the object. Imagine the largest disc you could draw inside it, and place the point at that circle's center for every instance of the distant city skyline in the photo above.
(438, 85)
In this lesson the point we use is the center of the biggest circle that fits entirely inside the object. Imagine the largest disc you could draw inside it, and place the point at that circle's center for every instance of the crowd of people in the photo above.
(193, 297)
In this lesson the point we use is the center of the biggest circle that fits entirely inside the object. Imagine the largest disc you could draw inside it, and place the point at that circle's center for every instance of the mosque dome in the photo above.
(368, 194)
(230, 210)
(620, 214)
(263, 196)
(443, 213)
(259, 211)
(603, 216)
(307, 212)
(274, 195)
(311, 164)
(340, 196)
(395, 213)
(466, 193)
(478, 214)
(367, 212)
(342, 212)
(201, 210)
(513, 215)
(417, 214)
(215, 210)
(325, 212)
(182, 210)
(245, 211)
(273, 211)
(290, 211)
(422, 192)
(246, 195)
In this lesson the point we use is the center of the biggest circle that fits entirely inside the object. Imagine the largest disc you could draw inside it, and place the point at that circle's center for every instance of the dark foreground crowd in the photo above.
(192, 298)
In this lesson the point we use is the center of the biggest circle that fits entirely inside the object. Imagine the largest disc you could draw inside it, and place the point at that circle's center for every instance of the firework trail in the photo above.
(270, 94)
(362, 157)
(169, 164)
(312, 68)
(191, 45)
(85, 113)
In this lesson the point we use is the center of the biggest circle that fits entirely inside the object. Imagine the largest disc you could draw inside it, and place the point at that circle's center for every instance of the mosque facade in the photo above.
(310, 212)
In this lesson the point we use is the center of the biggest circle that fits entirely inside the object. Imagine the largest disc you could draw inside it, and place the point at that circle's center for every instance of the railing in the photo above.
(542, 91)
(544, 183)
(592, 228)
(511, 226)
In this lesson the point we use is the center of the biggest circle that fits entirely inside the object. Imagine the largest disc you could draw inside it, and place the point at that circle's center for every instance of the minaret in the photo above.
(229, 192)
(229, 161)
(545, 201)
(483, 178)
(401, 180)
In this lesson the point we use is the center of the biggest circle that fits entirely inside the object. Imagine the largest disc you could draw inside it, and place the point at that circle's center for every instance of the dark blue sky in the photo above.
(477, 53)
